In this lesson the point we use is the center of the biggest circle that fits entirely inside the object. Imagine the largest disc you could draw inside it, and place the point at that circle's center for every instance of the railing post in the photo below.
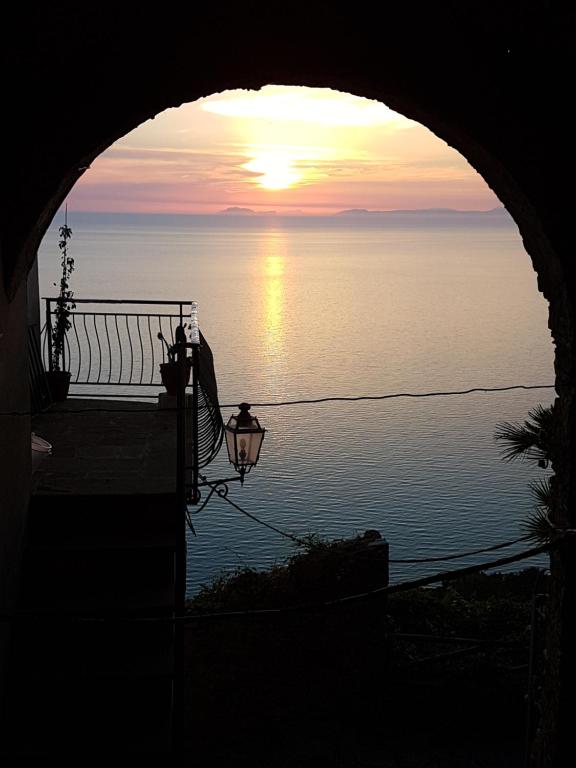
(181, 429)
(195, 389)
(195, 344)
(49, 332)
(64, 351)
(181, 548)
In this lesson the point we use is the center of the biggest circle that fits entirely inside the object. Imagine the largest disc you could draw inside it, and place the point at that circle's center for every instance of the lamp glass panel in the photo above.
(231, 446)
(250, 443)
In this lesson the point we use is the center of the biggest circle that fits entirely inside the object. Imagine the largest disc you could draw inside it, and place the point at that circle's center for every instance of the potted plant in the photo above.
(59, 379)
(169, 371)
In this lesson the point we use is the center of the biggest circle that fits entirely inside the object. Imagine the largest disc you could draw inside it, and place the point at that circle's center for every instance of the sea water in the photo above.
(303, 308)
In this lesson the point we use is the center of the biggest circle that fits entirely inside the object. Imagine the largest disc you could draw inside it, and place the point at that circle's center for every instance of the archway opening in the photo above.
(375, 261)
(299, 305)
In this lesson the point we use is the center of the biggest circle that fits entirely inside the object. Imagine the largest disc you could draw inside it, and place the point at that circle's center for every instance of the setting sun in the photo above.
(275, 170)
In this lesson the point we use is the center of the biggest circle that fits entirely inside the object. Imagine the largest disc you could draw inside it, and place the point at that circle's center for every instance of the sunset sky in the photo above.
(284, 149)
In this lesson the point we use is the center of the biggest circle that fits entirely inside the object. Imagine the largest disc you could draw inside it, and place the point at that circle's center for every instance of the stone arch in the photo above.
(501, 164)
(484, 79)
(494, 170)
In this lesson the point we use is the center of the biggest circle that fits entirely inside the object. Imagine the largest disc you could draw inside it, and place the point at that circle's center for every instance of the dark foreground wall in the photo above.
(14, 448)
(492, 79)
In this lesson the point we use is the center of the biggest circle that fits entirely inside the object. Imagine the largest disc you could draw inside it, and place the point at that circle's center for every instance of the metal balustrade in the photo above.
(115, 347)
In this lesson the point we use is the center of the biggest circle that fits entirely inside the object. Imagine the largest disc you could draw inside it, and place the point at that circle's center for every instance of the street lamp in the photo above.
(244, 437)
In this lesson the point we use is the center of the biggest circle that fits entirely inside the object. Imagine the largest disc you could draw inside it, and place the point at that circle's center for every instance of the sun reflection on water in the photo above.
(273, 272)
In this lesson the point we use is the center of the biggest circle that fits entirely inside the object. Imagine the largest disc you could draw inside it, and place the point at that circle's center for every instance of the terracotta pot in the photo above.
(169, 376)
(58, 384)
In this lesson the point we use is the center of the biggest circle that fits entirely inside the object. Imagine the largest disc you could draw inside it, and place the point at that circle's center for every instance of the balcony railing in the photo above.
(119, 347)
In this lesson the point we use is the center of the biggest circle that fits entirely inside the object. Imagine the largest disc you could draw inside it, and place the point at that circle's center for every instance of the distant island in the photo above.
(366, 212)
(236, 211)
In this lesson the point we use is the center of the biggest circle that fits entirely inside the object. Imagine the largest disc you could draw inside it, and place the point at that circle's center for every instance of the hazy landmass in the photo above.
(236, 211)
(366, 212)
(235, 215)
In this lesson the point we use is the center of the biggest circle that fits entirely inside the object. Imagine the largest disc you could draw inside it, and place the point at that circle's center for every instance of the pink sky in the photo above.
(290, 150)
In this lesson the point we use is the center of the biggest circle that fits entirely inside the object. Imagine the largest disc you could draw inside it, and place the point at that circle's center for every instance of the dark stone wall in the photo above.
(14, 450)
(491, 79)
(33, 297)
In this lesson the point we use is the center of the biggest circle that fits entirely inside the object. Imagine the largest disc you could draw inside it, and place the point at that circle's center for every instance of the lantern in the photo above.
(244, 437)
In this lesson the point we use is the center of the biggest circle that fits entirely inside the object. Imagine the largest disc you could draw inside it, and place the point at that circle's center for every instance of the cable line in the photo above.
(413, 561)
(222, 493)
(408, 561)
(394, 395)
(331, 399)
(403, 586)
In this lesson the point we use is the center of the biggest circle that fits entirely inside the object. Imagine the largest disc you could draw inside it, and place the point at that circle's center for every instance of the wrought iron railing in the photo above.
(39, 390)
(115, 347)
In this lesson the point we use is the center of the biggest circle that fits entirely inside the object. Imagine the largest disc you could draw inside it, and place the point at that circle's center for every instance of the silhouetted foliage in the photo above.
(386, 666)
(321, 570)
(532, 440)
(529, 440)
(64, 303)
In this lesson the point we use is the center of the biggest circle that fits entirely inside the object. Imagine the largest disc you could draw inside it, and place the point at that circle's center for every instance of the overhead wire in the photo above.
(403, 561)
(395, 395)
(413, 584)
(223, 495)
(293, 537)
(313, 401)
(468, 553)
(404, 586)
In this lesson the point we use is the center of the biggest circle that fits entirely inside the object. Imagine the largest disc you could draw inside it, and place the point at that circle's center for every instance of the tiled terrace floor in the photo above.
(107, 447)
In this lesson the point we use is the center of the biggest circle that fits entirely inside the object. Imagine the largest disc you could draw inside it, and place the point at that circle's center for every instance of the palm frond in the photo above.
(539, 525)
(542, 493)
(530, 439)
